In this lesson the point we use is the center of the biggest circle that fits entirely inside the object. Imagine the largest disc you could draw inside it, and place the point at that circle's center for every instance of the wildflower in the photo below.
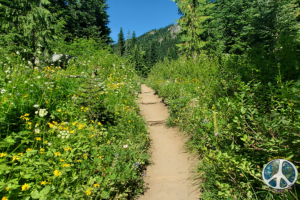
(68, 148)
(49, 143)
(20, 154)
(205, 121)
(59, 110)
(88, 192)
(2, 155)
(57, 154)
(99, 123)
(216, 133)
(66, 165)
(28, 149)
(36, 131)
(125, 146)
(25, 187)
(100, 156)
(92, 136)
(96, 185)
(42, 150)
(79, 160)
(38, 138)
(45, 142)
(108, 141)
(7, 189)
(71, 132)
(42, 112)
(57, 173)
(15, 158)
(39, 77)
(3, 91)
(17, 53)
(43, 183)
(36, 106)
(4, 198)
(85, 156)
(26, 95)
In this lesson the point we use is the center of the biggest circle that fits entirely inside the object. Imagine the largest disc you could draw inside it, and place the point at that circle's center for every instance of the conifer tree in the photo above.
(121, 47)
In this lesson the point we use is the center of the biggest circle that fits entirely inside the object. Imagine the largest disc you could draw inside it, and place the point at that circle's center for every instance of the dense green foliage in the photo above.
(235, 91)
(73, 133)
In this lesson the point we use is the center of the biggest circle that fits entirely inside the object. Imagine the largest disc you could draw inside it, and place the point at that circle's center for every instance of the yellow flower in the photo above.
(71, 132)
(47, 102)
(100, 157)
(65, 111)
(57, 154)
(62, 160)
(59, 110)
(45, 142)
(26, 95)
(66, 165)
(108, 141)
(25, 187)
(4, 198)
(88, 192)
(213, 107)
(3, 155)
(68, 148)
(15, 158)
(96, 185)
(28, 149)
(92, 121)
(38, 138)
(57, 173)
(92, 136)
(85, 156)
(78, 160)
(43, 183)
(6, 189)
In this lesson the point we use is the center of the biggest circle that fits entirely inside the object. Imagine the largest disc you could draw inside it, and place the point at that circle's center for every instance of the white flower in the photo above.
(3, 91)
(63, 137)
(43, 112)
(7, 76)
(67, 136)
(49, 143)
(127, 139)
(37, 130)
(9, 81)
(36, 112)
(26, 67)
(84, 119)
(24, 50)
(17, 53)
(7, 71)
(12, 103)
(39, 77)
(58, 135)
(25, 81)
(23, 58)
(36, 106)
(125, 146)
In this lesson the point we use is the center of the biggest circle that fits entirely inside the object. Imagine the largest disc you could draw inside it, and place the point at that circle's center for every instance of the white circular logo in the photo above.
(280, 174)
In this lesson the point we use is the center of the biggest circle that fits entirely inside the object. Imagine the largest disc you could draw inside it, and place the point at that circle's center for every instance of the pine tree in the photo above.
(127, 45)
(121, 47)
(27, 25)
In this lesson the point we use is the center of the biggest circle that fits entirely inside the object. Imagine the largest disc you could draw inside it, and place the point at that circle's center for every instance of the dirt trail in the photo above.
(167, 177)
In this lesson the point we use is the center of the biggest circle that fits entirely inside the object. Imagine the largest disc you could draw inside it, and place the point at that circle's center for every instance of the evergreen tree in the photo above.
(26, 24)
(127, 45)
(121, 45)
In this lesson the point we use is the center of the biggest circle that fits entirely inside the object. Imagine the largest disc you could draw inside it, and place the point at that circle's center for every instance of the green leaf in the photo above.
(105, 194)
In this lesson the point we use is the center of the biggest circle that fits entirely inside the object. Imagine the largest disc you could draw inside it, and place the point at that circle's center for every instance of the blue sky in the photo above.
(140, 16)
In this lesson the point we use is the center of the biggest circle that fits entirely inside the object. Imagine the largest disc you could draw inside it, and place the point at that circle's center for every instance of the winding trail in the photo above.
(167, 178)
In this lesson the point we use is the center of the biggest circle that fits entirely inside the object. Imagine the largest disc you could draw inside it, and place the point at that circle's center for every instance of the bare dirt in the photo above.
(169, 177)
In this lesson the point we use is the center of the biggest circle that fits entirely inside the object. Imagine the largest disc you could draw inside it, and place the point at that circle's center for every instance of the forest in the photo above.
(70, 126)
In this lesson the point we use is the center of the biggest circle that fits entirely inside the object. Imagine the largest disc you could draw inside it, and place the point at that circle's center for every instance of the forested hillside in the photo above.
(151, 47)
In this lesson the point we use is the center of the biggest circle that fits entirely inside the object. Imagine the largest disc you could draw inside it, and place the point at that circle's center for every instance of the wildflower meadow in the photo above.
(71, 133)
